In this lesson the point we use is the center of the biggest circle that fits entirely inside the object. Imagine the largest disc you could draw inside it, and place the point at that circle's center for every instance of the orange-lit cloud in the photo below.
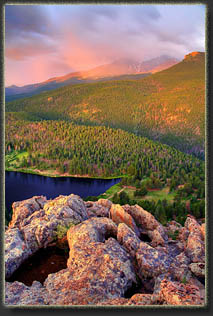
(52, 40)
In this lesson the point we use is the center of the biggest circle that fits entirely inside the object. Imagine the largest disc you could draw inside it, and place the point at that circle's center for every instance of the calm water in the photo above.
(20, 186)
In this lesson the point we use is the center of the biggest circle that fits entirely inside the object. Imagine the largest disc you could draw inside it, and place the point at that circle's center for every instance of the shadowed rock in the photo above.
(152, 262)
(99, 208)
(100, 269)
(16, 250)
(26, 235)
(128, 239)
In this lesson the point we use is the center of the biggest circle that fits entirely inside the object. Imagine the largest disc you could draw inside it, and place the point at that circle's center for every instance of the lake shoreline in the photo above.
(59, 175)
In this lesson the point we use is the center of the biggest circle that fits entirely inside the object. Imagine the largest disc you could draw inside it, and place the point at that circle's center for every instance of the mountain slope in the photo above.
(168, 106)
(101, 73)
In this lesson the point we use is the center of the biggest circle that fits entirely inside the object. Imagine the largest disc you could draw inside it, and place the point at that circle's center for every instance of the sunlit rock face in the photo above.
(118, 255)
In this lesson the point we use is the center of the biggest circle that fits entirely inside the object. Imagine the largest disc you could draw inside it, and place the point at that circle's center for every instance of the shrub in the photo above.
(62, 229)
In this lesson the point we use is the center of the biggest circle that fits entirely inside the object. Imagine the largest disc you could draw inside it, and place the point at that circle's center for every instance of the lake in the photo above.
(20, 186)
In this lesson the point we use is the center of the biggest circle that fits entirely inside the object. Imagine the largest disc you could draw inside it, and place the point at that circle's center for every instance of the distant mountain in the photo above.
(101, 73)
(128, 66)
(168, 106)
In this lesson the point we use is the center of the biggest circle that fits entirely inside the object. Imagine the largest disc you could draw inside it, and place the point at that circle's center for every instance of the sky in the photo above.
(45, 41)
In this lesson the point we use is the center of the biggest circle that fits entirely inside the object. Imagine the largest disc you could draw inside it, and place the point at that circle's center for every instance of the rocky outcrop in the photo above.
(147, 224)
(176, 293)
(180, 267)
(16, 250)
(26, 235)
(24, 209)
(119, 215)
(152, 262)
(198, 269)
(99, 208)
(195, 247)
(99, 271)
(17, 293)
(128, 239)
(110, 261)
(137, 299)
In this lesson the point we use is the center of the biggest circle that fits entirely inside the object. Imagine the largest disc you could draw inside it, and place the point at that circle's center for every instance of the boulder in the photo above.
(23, 209)
(156, 237)
(143, 218)
(147, 224)
(100, 208)
(97, 272)
(195, 282)
(119, 215)
(98, 267)
(101, 271)
(136, 299)
(128, 239)
(198, 269)
(173, 226)
(105, 203)
(16, 250)
(176, 293)
(152, 262)
(195, 247)
(183, 236)
(26, 235)
(17, 293)
(92, 230)
(65, 208)
(142, 299)
(192, 226)
(179, 268)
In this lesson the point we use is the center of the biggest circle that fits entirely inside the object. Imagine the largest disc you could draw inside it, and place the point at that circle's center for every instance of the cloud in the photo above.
(80, 37)
(27, 47)
(23, 19)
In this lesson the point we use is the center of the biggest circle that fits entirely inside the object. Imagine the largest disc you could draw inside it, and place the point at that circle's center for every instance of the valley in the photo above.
(105, 137)
(148, 131)
(168, 106)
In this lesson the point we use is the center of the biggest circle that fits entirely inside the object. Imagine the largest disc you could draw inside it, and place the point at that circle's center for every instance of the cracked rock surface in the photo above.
(108, 257)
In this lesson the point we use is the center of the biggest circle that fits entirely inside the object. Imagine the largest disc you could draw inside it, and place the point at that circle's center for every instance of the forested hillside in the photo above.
(168, 106)
(69, 149)
(99, 151)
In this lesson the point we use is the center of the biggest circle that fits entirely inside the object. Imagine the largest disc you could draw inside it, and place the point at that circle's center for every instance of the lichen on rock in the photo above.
(109, 255)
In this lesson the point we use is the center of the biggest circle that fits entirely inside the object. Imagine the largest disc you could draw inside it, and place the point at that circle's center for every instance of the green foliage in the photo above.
(91, 198)
(97, 151)
(96, 130)
(116, 199)
(142, 192)
(124, 198)
(174, 234)
(184, 281)
(62, 229)
(168, 106)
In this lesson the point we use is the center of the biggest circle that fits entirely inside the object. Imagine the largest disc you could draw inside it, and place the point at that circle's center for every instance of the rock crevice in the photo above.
(108, 262)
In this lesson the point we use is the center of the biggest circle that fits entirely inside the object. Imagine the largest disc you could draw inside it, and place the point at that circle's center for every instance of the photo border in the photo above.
(209, 167)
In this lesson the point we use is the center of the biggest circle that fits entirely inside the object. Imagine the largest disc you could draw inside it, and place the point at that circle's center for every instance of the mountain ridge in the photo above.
(168, 106)
(114, 69)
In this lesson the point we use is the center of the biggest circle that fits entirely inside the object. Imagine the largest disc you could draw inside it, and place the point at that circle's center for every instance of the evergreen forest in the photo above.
(150, 132)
